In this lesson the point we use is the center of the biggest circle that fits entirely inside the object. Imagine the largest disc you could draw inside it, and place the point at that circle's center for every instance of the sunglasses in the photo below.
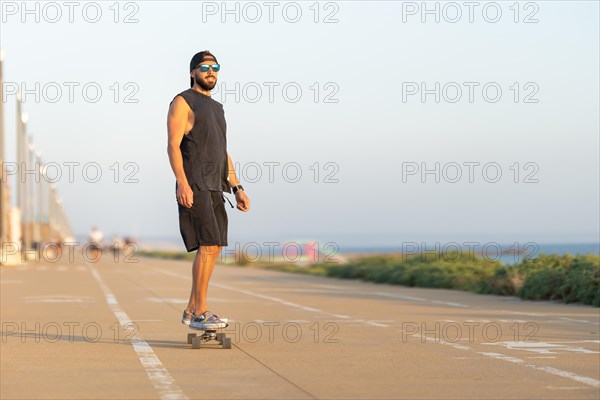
(206, 67)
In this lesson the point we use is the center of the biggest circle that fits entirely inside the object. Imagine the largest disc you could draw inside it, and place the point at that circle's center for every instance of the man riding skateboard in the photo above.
(197, 149)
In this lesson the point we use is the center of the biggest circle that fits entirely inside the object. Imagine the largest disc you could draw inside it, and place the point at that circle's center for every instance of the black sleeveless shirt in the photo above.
(204, 148)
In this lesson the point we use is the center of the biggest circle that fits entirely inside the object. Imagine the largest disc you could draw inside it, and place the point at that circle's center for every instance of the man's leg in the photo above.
(202, 269)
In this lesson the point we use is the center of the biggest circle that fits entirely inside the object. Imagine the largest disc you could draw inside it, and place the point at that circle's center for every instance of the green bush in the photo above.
(566, 278)
(583, 283)
(543, 285)
(502, 282)
(433, 276)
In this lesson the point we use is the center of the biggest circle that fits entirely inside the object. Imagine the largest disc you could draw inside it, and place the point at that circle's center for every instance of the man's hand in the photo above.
(243, 202)
(185, 195)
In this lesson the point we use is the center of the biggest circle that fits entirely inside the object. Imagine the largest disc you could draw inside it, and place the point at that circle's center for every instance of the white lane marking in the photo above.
(422, 299)
(566, 374)
(371, 323)
(62, 268)
(551, 370)
(415, 298)
(567, 387)
(275, 299)
(502, 357)
(262, 296)
(59, 299)
(399, 296)
(262, 321)
(552, 318)
(147, 320)
(338, 316)
(300, 290)
(572, 319)
(542, 347)
(173, 301)
(522, 313)
(332, 287)
(377, 324)
(461, 305)
(346, 321)
(158, 375)
(450, 303)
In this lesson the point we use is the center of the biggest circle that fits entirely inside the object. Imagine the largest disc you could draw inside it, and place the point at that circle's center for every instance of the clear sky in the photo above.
(360, 120)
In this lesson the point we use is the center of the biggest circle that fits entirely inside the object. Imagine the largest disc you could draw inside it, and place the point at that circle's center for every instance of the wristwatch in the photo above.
(236, 188)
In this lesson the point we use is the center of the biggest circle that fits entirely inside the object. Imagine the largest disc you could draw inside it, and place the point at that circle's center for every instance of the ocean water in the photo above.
(493, 253)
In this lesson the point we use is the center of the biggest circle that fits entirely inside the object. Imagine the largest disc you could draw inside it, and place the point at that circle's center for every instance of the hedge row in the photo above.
(564, 278)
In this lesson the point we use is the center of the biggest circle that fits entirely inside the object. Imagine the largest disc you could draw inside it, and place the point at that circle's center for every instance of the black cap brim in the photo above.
(199, 57)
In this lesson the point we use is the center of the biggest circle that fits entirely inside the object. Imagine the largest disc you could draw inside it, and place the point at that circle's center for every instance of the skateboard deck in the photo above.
(196, 340)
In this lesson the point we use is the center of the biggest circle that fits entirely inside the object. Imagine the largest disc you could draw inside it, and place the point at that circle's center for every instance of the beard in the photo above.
(206, 85)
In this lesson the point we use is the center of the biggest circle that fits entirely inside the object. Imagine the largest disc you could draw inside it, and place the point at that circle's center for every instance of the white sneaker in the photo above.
(206, 321)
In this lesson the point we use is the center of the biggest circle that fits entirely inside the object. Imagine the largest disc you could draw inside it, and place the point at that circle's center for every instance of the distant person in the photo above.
(95, 242)
(116, 244)
(197, 149)
(96, 236)
(130, 245)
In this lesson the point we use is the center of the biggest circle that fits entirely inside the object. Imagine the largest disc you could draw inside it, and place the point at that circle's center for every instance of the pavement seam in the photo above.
(277, 373)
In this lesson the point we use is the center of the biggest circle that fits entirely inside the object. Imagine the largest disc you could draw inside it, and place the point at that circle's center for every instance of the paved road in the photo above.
(112, 330)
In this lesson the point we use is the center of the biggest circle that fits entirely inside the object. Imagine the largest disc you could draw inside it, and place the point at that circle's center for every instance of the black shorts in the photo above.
(205, 223)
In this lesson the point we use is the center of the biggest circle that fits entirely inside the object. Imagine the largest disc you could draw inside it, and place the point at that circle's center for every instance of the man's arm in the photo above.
(233, 180)
(243, 202)
(176, 124)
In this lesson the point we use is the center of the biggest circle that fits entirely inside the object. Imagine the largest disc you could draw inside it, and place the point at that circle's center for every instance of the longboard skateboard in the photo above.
(209, 334)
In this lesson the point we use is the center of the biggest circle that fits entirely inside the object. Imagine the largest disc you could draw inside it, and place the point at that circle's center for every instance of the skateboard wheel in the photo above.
(190, 337)
(226, 343)
(221, 336)
(196, 343)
